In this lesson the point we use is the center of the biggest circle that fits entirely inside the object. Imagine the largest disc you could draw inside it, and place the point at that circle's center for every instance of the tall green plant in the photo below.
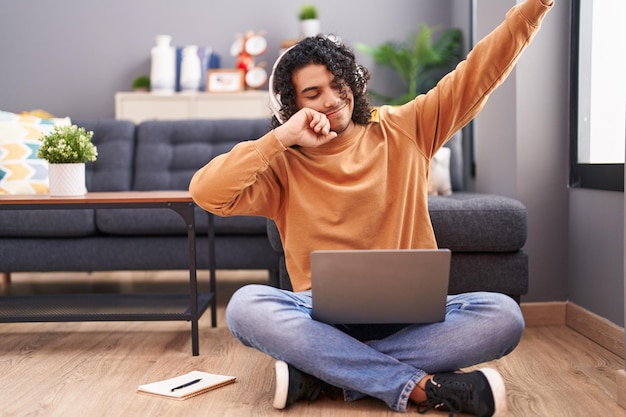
(420, 62)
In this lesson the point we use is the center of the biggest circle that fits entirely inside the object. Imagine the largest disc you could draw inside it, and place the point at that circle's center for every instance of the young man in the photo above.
(333, 174)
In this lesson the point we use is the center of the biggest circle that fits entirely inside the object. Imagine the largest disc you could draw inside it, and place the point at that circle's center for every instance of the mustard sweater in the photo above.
(366, 190)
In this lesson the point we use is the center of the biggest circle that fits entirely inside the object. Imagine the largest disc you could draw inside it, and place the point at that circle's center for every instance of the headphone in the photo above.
(275, 104)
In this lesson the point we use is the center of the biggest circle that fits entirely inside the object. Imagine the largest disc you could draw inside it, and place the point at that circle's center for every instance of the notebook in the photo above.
(188, 385)
(380, 286)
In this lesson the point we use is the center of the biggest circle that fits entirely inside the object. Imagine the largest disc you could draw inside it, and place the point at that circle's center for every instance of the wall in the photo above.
(596, 226)
(69, 57)
(542, 150)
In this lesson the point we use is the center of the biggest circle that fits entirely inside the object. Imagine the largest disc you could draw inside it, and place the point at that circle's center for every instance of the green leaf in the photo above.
(420, 62)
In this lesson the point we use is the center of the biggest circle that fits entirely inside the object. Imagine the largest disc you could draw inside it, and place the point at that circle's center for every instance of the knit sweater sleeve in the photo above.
(461, 94)
(240, 182)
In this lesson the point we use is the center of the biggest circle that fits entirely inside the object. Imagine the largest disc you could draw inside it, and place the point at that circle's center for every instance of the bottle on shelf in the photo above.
(190, 69)
(163, 66)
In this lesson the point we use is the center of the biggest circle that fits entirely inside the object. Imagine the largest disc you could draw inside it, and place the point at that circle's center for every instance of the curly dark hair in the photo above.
(340, 61)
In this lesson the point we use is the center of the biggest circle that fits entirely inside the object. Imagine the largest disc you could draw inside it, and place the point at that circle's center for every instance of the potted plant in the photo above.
(309, 21)
(67, 149)
(420, 62)
(141, 83)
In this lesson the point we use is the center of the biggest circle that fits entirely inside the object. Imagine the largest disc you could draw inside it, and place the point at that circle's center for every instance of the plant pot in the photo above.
(310, 27)
(67, 179)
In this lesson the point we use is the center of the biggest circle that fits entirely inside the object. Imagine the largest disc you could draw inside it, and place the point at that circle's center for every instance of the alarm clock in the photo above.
(256, 77)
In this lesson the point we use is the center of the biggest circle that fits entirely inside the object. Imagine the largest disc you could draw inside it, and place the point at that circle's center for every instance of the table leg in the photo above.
(213, 285)
(186, 211)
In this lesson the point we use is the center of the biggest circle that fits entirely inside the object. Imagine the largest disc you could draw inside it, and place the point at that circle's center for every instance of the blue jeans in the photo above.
(381, 361)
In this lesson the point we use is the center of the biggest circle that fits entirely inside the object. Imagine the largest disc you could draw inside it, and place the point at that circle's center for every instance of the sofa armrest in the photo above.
(274, 236)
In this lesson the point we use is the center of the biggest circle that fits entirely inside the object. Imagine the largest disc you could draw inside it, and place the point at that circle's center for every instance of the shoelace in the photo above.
(447, 398)
(436, 403)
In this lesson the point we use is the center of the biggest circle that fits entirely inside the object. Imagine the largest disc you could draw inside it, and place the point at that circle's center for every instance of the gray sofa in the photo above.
(154, 155)
(486, 234)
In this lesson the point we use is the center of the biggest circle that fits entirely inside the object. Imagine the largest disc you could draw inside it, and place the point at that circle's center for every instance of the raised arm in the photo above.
(461, 94)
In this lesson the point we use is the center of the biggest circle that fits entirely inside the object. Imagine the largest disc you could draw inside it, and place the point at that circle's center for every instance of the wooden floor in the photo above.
(93, 369)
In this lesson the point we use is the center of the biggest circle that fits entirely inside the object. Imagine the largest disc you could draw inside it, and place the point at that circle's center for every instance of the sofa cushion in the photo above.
(114, 253)
(169, 152)
(47, 223)
(489, 271)
(474, 222)
(149, 222)
(113, 170)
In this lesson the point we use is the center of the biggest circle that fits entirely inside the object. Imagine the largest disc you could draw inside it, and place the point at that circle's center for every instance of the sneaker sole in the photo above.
(498, 390)
(282, 385)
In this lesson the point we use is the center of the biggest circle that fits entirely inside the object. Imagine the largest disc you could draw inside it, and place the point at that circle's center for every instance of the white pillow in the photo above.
(439, 182)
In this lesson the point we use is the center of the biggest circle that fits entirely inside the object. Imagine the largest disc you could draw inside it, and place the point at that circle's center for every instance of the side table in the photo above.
(118, 307)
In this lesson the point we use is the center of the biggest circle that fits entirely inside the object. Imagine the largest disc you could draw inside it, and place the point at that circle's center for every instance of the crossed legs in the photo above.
(385, 362)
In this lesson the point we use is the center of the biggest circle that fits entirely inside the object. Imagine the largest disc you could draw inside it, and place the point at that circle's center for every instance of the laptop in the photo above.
(380, 286)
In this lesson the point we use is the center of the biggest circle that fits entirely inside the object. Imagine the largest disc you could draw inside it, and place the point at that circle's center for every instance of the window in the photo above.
(598, 94)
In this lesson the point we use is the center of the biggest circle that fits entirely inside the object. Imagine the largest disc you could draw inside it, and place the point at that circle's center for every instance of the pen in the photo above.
(186, 384)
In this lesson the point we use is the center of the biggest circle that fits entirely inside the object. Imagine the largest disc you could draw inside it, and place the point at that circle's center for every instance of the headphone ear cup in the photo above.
(360, 76)
(275, 104)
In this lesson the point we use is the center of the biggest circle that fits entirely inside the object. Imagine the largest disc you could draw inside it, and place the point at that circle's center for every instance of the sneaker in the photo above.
(293, 385)
(480, 393)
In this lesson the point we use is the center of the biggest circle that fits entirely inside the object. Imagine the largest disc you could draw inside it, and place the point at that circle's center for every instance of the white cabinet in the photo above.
(140, 106)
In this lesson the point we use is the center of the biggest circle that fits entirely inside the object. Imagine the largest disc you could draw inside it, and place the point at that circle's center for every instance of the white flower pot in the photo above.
(310, 27)
(67, 179)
